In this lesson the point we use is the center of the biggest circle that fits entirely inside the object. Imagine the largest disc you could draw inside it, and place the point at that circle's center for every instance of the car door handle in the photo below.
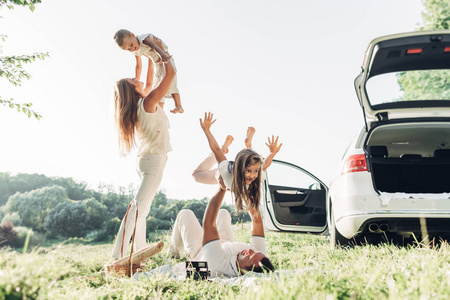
(290, 192)
(293, 203)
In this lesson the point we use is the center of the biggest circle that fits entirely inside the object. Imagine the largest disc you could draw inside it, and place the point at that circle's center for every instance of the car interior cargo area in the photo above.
(410, 157)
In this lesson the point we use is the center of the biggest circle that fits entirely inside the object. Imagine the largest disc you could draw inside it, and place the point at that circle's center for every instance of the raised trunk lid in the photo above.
(406, 76)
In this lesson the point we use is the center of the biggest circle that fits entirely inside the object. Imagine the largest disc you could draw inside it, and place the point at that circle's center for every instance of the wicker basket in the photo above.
(114, 270)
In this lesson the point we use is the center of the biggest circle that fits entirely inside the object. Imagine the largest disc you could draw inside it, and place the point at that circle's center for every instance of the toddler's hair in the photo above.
(120, 35)
(246, 195)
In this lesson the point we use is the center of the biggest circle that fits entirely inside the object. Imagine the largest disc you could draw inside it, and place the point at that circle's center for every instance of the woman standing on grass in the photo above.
(138, 116)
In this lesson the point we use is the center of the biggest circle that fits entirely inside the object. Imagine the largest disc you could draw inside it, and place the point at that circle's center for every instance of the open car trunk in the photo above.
(410, 157)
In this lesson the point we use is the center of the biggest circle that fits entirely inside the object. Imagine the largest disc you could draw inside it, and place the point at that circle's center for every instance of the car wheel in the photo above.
(337, 239)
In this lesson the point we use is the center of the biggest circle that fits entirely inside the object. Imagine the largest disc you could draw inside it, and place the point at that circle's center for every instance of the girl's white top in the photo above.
(147, 50)
(152, 131)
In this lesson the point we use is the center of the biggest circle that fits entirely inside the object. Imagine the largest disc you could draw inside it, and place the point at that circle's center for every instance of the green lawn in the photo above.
(72, 271)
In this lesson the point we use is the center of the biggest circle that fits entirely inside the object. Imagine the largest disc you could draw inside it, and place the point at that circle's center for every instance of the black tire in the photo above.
(336, 238)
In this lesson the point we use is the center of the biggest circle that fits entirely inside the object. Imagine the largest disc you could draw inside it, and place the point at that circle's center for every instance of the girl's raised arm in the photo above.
(206, 126)
(152, 99)
(273, 148)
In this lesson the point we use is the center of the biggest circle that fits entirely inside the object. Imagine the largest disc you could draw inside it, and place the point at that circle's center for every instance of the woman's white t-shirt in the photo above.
(152, 131)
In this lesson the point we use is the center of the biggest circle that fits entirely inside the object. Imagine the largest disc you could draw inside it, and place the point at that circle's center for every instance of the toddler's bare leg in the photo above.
(178, 108)
(248, 139)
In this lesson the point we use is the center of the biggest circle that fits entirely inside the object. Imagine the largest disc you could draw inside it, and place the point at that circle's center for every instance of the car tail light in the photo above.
(355, 163)
(447, 49)
(414, 51)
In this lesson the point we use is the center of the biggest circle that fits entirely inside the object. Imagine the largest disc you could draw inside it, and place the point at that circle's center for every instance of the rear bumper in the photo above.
(403, 222)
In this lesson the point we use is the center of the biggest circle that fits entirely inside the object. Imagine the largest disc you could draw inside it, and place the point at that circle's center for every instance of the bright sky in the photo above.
(283, 67)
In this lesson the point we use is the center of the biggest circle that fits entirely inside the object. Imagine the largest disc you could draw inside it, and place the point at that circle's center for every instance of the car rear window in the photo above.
(427, 88)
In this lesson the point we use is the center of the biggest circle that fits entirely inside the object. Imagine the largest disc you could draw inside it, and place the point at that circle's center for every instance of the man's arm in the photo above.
(257, 223)
(210, 231)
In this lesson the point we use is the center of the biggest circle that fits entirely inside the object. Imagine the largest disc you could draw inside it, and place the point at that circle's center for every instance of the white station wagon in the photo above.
(394, 180)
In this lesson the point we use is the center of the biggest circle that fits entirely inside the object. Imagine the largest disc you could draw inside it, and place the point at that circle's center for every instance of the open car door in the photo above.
(294, 200)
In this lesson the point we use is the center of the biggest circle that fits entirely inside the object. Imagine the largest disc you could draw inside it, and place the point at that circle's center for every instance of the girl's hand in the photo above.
(273, 145)
(207, 122)
(166, 58)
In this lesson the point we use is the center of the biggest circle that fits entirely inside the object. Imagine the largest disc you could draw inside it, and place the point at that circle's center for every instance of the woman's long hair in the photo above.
(125, 114)
(246, 195)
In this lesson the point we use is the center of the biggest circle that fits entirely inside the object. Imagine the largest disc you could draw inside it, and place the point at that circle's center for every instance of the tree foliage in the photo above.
(11, 67)
(8, 236)
(429, 84)
(436, 15)
(34, 206)
(9, 185)
(62, 208)
(97, 212)
(68, 219)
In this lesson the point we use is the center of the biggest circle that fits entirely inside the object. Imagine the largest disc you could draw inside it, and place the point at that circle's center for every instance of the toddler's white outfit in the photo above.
(160, 69)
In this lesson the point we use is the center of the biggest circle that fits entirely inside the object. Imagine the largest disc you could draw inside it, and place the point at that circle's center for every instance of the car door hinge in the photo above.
(382, 116)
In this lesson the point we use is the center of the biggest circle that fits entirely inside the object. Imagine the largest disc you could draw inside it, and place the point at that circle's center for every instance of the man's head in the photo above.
(249, 260)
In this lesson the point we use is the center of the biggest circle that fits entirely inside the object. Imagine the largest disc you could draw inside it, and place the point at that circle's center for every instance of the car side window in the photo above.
(280, 174)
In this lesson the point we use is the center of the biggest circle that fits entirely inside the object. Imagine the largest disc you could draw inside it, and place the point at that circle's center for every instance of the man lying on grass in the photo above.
(214, 243)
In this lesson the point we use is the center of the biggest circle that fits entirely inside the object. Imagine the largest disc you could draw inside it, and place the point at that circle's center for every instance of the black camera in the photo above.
(197, 270)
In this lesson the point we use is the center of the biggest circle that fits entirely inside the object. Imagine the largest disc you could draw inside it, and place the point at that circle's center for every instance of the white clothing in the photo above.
(220, 254)
(205, 173)
(150, 169)
(160, 69)
(224, 171)
(221, 257)
(187, 233)
(152, 131)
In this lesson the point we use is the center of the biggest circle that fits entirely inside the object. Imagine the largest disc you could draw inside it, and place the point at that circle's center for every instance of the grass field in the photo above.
(73, 271)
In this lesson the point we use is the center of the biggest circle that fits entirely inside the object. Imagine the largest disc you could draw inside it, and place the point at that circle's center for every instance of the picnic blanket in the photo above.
(178, 272)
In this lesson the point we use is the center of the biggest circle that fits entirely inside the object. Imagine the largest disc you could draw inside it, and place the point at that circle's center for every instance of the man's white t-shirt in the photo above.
(221, 257)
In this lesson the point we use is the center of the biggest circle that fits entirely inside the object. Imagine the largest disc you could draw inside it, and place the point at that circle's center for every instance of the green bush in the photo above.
(12, 217)
(8, 235)
(111, 228)
(158, 224)
(35, 238)
(67, 219)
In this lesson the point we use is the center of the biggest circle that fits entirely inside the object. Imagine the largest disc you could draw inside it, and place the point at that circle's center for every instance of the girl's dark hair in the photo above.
(246, 195)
